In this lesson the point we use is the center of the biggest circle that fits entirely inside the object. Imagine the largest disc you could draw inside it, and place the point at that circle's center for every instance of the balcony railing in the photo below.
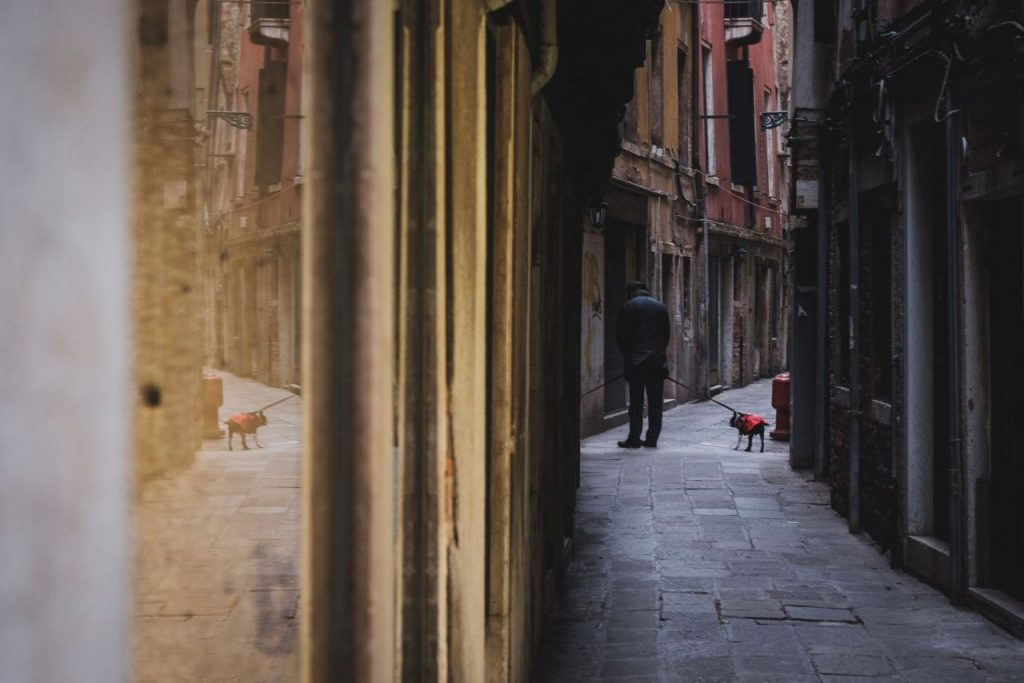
(271, 9)
(744, 9)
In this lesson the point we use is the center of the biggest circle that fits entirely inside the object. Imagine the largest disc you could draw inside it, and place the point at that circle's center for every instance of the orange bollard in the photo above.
(780, 401)
(213, 397)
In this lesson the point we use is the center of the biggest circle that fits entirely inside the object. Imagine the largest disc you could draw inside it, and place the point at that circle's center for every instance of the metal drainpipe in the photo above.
(545, 69)
(212, 102)
(700, 187)
(821, 393)
(957, 555)
(702, 190)
(853, 202)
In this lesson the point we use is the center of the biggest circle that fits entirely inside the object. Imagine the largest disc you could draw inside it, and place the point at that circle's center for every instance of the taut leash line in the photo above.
(709, 398)
(602, 386)
(674, 381)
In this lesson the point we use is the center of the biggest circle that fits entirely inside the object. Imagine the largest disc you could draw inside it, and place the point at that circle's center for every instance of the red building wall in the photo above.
(727, 203)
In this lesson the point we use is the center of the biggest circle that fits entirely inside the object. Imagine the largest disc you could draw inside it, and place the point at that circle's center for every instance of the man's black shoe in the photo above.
(630, 444)
(649, 444)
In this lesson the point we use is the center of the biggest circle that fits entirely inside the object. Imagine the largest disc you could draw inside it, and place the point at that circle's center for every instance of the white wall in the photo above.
(64, 350)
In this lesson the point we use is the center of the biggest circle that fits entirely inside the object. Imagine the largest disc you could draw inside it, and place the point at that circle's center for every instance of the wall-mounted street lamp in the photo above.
(740, 253)
(598, 213)
(773, 119)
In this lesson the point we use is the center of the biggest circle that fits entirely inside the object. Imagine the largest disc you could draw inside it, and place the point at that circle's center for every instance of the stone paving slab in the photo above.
(217, 555)
(697, 562)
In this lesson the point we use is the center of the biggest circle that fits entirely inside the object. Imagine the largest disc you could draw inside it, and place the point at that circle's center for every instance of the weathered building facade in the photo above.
(252, 190)
(696, 161)
(441, 347)
(909, 272)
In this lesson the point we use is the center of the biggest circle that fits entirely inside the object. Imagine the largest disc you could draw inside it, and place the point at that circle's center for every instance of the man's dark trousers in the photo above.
(651, 382)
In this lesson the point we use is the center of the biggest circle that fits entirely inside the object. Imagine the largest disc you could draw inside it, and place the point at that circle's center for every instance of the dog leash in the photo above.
(709, 398)
(602, 386)
(670, 379)
(271, 405)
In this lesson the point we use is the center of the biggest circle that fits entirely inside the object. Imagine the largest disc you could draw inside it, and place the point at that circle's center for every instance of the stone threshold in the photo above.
(999, 607)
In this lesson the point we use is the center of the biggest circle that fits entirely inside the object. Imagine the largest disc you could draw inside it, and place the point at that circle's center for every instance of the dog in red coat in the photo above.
(748, 425)
(245, 423)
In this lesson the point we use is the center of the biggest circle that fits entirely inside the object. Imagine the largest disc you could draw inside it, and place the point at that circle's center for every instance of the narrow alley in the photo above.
(217, 551)
(444, 247)
(696, 562)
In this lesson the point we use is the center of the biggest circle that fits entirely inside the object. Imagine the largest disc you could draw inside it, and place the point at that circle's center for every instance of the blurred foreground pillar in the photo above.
(348, 568)
(64, 354)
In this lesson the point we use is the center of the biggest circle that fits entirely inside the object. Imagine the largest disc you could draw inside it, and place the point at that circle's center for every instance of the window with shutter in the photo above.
(270, 123)
(742, 142)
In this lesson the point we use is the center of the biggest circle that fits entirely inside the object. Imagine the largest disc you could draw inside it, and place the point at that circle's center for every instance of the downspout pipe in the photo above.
(853, 213)
(212, 102)
(545, 67)
(954, 240)
(700, 186)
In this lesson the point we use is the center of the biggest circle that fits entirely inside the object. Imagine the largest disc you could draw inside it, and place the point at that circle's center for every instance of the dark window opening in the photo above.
(843, 295)
(271, 9)
(737, 280)
(881, 307)
(667, 290)
(270, 123)
(748, 9)
(629, 121)
(825, 21)
(714, 315)
(742, 140)
(683, 131)
(686, 288)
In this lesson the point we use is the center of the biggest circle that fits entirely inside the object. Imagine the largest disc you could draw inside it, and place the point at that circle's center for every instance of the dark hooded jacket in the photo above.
(642, 331)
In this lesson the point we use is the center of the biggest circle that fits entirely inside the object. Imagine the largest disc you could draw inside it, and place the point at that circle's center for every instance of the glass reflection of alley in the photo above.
(216, 554)
(217, 310)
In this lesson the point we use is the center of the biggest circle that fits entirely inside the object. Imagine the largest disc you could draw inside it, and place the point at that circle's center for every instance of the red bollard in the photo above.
(213, 397)
(780, 401)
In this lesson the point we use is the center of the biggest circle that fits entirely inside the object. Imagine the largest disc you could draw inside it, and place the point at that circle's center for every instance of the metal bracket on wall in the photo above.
(237, 119)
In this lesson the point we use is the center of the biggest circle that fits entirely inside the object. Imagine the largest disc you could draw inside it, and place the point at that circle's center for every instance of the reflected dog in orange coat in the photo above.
(245, 423)
(748, 425)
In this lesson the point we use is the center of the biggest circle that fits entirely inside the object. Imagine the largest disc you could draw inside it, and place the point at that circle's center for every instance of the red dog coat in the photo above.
(748, 423)
(246, 422)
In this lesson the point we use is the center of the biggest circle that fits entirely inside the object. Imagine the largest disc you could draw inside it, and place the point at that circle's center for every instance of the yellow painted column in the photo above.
(466, 220)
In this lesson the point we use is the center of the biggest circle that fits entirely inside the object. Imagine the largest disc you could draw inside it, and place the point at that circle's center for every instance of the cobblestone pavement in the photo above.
(217, 555)
(695, 562)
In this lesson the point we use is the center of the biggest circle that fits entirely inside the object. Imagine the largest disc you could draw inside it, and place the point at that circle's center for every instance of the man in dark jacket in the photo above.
(642, 332)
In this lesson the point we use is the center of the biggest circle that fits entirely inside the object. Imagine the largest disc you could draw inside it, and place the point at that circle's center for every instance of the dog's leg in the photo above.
(750, 441)
(762, 439)
(231, 435)
(739, 440)
(256, 440)
(245, 446)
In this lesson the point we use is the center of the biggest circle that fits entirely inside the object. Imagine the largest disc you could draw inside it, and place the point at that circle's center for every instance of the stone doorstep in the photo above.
(927, 557)
(1003, 609)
